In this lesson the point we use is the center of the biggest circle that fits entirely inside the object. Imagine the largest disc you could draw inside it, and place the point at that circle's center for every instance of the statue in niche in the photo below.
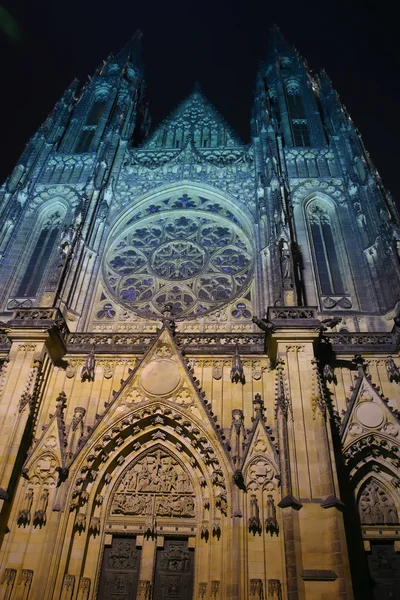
(24, 516)
(376, 507)
(237, 372)
(271, 522)
(254, 520)
(88, 368)
(40, 513)
(392, 370)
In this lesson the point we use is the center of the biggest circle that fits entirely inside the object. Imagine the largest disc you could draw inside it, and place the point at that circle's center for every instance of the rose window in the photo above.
(195, 261)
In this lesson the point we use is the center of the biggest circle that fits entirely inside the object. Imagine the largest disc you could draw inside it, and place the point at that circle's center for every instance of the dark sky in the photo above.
(219, 43)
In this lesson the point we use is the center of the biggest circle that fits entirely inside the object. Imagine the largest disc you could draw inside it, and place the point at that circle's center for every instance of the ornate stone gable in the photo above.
(48, 455)
(161, 376)
(197, 117)
(260, 463)
(368, 413)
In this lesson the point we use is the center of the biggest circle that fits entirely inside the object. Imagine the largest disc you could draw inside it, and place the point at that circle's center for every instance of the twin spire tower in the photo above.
(199, 391)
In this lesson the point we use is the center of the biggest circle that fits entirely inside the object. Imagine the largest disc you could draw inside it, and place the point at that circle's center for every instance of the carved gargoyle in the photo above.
(328, 323)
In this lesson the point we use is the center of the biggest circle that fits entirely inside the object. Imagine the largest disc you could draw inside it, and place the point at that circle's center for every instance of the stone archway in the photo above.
(154, 498)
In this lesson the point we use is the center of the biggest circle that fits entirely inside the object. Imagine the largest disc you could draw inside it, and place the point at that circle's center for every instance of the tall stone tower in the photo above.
(199, 394)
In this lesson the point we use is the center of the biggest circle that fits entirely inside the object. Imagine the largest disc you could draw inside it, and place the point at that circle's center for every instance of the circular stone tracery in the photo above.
(194, 260)
(178, 260)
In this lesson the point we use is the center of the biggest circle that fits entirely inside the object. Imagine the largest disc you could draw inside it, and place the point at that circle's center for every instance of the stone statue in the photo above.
(271, 523)
(237, 372)
(88, 368)
(392, 370)
(254, 520)
(40, 514)
(24, 516)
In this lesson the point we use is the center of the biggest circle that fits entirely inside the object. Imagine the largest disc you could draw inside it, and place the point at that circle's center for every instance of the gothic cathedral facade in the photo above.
(199, 391)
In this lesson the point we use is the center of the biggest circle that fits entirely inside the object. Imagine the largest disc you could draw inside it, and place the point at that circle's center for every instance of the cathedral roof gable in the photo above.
(53, 440)
(259, 442)
(195, 117)
(368, 412)
(162, 377)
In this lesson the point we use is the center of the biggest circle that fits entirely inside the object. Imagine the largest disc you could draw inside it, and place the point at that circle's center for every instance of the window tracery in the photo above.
(40, 256)
(196, 261)
(325, 254)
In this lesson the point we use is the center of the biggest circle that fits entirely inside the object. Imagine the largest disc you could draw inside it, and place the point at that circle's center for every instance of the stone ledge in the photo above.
(318, 575)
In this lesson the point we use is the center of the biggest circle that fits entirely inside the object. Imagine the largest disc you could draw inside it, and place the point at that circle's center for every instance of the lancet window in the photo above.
(324, 249)
(40, 256)
(301, 136)
(89, 128)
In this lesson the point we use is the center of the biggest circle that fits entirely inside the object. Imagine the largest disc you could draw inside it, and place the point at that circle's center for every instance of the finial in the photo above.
(168, 319)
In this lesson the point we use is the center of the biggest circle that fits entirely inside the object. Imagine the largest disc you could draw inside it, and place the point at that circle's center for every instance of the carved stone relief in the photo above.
(261, 474)
(157, 484)
(375, 506)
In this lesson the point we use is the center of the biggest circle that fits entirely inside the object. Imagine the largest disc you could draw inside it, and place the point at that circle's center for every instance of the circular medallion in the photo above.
(370, 414)
(160, 377)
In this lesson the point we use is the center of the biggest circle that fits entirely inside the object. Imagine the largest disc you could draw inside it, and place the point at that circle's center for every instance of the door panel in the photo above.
(120, 570)
(174, 571)
(384, 568)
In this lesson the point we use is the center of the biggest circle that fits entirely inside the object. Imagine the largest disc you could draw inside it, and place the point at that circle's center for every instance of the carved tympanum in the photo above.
(156, 484)
(375, 506)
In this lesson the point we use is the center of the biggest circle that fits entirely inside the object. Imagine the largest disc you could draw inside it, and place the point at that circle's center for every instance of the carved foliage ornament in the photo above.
(156, 484)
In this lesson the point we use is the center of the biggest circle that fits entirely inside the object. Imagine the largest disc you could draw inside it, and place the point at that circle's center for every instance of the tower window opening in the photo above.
(85, 140)
(325, 252)
(296, 108)
(300, 133)
(301, 136)
(95, 112)
(38, 261)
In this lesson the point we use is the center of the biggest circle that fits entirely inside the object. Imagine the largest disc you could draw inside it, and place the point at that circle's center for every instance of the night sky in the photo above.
(219, 43)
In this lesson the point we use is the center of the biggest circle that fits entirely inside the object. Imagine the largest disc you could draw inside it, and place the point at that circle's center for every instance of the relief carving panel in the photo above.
(156, 484)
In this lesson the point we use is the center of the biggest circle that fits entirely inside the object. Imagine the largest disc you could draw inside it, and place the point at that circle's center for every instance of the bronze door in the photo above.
(120, 570)
(174, 571)
(384, 568)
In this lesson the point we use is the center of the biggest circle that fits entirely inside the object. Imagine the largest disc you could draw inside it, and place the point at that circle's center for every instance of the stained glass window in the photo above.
(195, 260)
(325, 252)
(38, 261)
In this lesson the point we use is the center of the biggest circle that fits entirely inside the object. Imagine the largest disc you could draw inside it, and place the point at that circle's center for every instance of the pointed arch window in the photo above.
(301, 136)
(325, 254)
(92, 120)
(39, 258)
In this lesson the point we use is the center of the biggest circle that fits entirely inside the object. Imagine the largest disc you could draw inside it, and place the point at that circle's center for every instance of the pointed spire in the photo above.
(278, 44)
(132, 50)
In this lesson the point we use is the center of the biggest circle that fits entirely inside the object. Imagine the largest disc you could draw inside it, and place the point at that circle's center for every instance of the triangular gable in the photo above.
(50, 448)
(162, 375)
(260, 463)
(195, 117)
(368, 412)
